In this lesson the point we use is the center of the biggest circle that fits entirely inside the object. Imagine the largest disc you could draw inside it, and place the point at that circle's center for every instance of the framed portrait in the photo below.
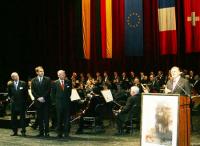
(159, 120)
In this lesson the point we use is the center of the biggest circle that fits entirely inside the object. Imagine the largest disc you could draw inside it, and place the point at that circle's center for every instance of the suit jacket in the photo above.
(41, 89)
(133, 105)
(19, 96)
(60, 96)
(182, 87)
(197, 87)
(154, 87)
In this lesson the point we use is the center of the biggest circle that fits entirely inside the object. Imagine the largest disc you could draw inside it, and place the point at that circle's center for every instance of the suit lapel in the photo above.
(179, 83)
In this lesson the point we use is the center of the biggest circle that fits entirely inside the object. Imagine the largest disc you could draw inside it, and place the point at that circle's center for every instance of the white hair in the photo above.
(60, 72)
(14, 74)
(135, 89)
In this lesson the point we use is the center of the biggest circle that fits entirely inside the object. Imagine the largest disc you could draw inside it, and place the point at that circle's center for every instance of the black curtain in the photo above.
(49, 33)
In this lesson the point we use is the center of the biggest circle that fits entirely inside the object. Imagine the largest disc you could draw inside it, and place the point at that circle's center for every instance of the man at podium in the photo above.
(180, 85)
(177, 85)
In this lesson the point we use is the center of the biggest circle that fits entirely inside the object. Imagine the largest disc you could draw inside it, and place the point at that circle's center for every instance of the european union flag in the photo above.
(133, 28)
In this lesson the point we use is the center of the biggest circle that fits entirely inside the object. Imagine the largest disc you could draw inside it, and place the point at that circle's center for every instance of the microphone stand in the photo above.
(185, 92)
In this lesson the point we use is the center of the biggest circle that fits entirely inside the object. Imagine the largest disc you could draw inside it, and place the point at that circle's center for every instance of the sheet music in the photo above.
(74, 95)
(107, 95)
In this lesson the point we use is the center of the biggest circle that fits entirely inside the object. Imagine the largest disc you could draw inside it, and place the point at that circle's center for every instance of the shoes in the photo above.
(24, 134)
(46, 135)
(79, 131)
(59, 136)
(14, 134)
(40, 135)
(118, 134)
(66, 136)
(127, 131)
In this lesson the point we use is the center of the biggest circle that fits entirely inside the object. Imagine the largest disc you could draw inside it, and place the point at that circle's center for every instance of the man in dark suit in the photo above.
(178, 85)
(132, 106)
(17, 91)
(153, 84)
(196, 85)
(61, 92)
(41, 87)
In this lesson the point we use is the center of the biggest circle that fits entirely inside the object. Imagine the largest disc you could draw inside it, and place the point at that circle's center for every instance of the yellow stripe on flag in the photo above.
(86, 27)
(109, 28)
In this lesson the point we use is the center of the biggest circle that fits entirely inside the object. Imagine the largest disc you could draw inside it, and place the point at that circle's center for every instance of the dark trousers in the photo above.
(53, 116)
(43, 118)
(121, 120)
(63, 120)
(14, 123)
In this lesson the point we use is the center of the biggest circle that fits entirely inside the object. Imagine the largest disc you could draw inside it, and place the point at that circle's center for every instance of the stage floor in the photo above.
(88, 139)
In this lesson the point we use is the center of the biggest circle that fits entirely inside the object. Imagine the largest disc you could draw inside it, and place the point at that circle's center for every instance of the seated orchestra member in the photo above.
(17, 91)
(153, 85)
(160, 78)
(196, 85)
(91, 110)
(32, 105)
(116, 81)
(61, 92)
(124, 81)
(98, 80)
(123, 114)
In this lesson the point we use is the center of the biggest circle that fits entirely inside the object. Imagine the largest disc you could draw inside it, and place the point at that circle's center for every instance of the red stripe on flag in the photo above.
(168, 42)
(103, 27)
(192, 25)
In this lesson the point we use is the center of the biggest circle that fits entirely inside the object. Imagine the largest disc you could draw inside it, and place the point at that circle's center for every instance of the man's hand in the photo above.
(167, 90)
(41, 99)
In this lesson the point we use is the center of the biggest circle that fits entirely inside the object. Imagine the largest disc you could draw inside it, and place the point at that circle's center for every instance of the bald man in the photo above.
(61, 92)
(177, 85)
(17, 91)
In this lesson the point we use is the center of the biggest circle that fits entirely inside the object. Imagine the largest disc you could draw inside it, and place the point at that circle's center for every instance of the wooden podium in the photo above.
(184, 121)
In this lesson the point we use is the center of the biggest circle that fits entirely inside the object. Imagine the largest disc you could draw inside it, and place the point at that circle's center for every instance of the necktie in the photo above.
(62, 84)
(16, 85)
(40, 80)
(174, 84)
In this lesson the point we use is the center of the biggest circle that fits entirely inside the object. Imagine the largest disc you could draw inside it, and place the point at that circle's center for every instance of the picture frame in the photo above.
(159, 120)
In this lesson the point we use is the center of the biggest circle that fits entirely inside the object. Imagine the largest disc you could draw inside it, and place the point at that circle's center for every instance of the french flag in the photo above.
(167, 27)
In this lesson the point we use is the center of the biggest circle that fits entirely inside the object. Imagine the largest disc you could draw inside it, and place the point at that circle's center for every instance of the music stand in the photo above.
(107, 95)
(74, 95)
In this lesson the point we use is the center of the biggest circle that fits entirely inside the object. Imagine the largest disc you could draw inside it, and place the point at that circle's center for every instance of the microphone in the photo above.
(185, 92)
